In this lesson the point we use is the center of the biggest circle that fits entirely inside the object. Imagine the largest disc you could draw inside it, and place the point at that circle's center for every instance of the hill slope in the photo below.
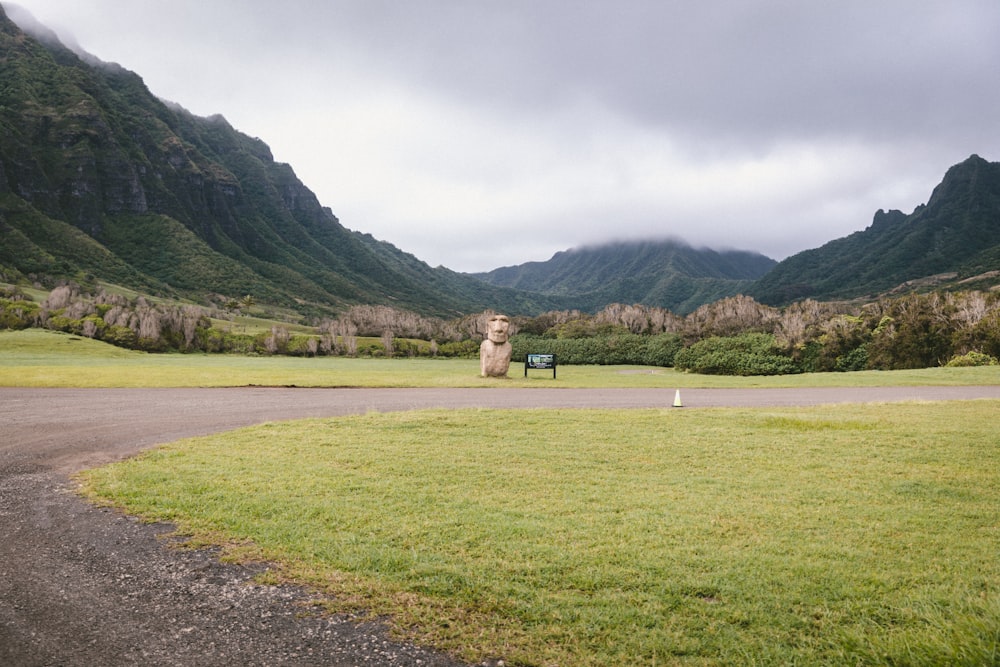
(100, 179)
(954, 237)
(669, 274)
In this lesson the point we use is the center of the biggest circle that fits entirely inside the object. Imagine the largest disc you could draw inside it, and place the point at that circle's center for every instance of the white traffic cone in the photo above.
(677, 400)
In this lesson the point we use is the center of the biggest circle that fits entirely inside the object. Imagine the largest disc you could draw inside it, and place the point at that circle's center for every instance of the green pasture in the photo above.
(248, 324)
(835, 535)
(39, 358)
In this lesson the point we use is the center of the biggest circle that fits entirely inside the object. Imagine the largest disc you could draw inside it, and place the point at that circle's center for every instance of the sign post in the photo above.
(540, 362)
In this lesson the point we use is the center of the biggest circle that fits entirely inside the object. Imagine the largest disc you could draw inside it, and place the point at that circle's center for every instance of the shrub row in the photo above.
(735, 336)
(611, 349)
(747, 354)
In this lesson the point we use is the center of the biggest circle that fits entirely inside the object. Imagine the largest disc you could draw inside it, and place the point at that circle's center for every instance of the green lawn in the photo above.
(38, 358)
(846, 535)
(838, 535)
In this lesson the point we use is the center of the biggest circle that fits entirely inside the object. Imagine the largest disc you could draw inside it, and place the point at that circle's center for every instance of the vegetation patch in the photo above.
(39, 358)
(747, 354)
(734, 336)
(861, 534)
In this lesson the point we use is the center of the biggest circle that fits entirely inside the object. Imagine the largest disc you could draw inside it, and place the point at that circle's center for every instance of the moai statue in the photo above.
(494, 353)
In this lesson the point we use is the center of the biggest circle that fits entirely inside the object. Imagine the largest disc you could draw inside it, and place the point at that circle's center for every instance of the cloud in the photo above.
(477, 135)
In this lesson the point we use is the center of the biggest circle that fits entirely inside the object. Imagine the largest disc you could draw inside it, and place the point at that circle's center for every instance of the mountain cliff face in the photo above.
(668, 274)
(99, 178)
(955, 236)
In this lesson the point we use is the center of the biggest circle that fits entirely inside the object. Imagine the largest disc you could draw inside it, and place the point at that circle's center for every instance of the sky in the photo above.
(477, 134)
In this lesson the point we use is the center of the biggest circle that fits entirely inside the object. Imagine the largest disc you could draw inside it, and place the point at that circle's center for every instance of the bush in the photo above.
(748, 354)
(120, 336)
(662, 349)
(619, 348)
(302, 346)
(855, 360)
(217, 340)
(65, 324)
(17, 314)
(466, 349)
(973, 358)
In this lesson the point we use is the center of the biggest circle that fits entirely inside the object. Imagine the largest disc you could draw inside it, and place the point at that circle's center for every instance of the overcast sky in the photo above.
(479, 134)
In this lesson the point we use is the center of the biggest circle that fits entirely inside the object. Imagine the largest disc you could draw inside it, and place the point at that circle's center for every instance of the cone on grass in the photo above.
(677, 400)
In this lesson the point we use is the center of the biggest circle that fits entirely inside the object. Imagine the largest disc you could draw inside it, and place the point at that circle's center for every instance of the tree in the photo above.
(729, 317)
(277, 341)
(387, 342)
(915, 332)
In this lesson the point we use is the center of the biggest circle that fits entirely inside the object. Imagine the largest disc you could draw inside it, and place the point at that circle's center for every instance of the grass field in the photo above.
(834, 535)
(37, 358)
(861, 534)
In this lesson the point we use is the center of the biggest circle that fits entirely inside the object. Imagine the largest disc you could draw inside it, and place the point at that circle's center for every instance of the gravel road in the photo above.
(81, 585)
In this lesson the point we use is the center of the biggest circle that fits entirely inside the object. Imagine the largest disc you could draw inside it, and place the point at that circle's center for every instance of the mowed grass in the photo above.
(838, 535)
(38, 358)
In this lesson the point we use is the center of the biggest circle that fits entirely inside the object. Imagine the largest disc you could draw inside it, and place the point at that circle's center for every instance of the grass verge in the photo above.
(859, 534)
(38, 358)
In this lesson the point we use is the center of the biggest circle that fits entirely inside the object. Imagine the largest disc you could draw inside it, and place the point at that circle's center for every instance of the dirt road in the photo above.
(81, 585)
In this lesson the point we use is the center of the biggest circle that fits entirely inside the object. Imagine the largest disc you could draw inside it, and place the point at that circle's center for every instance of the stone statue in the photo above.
(494, 353)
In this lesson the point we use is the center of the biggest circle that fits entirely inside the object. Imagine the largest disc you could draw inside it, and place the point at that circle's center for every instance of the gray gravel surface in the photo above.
(82, 585)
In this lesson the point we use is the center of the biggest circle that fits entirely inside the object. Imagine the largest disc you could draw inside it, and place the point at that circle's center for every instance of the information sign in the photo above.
(540, 362)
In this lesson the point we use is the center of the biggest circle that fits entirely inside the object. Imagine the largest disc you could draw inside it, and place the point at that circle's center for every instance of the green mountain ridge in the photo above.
(945, 243)
(101, 179)
(951, 242)
(669, 274)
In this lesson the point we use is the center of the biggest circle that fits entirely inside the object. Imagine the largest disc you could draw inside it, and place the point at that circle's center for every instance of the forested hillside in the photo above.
(667, 274)
(951, 241)
(100, 180)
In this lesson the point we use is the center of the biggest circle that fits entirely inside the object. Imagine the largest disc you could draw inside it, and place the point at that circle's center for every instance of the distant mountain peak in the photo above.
(956, 232)
(958, 177)
(668, 273)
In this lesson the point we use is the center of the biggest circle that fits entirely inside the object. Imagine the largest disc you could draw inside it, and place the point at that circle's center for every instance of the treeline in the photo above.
(736, 336)
(131, 323)
(739, 336)
(141, 323)
(911, 331)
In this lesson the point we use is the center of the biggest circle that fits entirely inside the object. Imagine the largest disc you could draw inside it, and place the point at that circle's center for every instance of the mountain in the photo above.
(101, 180)
(951, 241)
(669, 274)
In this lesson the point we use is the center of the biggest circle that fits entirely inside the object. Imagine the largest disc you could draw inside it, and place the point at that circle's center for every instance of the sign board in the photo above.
(540, 362)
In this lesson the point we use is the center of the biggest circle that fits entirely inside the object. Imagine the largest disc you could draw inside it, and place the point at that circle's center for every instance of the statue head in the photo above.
(495, 350)
(497, 329)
